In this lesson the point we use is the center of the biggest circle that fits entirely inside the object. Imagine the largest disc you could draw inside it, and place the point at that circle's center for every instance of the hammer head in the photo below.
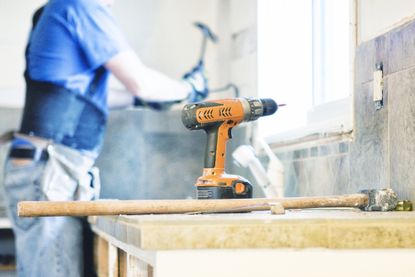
(380, 200)
(206, 31)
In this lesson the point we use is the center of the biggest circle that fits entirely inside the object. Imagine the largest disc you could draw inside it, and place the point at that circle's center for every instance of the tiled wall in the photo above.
(151, 155)
(317, 170)
(391, 155)
(382, 153)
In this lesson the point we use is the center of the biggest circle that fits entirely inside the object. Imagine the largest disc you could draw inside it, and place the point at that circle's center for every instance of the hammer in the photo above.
(368, 200)
(207, 35)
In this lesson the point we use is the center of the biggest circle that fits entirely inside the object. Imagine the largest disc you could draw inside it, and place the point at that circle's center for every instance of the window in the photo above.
(304, 61)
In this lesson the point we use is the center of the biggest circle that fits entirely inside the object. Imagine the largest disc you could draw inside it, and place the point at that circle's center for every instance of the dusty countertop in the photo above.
(326, 228)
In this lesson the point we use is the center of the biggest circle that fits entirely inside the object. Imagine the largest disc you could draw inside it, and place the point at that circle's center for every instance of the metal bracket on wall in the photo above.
(378, 86)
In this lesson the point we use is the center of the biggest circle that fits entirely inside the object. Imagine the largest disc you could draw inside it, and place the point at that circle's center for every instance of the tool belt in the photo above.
(56, 113)
(34, 154)
(68, 174)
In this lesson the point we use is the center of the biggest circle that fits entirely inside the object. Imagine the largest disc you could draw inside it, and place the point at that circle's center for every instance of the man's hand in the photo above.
(144, 82)
(197, 80)
(152, 88)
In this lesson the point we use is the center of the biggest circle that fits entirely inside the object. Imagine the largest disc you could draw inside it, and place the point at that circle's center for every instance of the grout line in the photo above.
(317, 157)
(399, 71)
(391, 74)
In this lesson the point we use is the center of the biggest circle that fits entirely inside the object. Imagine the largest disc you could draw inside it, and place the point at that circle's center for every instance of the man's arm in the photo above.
(103, 43)
(144, 82)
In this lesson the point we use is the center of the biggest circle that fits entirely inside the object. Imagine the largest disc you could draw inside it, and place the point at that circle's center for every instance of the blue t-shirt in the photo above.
(70, 44)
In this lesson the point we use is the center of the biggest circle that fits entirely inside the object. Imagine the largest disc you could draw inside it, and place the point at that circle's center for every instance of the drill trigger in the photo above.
(230, 132)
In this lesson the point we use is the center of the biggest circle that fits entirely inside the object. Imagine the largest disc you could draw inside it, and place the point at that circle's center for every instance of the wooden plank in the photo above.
(100, 256)
(146, 256)
(136, 207)
(122, 263)
(138, 268)
(113, 261)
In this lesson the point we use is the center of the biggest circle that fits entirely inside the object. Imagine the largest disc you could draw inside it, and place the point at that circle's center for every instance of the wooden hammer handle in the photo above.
(137, 207)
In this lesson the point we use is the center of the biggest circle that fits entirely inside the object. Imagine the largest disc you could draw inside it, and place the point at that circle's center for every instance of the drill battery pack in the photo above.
(224, 192)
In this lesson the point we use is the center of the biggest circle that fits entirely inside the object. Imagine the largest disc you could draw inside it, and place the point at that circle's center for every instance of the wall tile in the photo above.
(364, 62)
(324, 150)
(291, 176)
(150, 154)
(369, 150)
(122, 156)
(343, 147)
(381, 54)
(172, 164)
(402, 132)
(320, 176)
(367, 55)
(400, 48)
(341, 166)
(314, 151)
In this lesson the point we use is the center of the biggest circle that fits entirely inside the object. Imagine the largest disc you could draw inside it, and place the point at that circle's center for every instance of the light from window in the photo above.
(303, 58)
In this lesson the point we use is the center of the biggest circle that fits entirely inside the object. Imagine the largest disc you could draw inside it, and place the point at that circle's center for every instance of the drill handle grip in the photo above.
(215, 153)
(211, 147)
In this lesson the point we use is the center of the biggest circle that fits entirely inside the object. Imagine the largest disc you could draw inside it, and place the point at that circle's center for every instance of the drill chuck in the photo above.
(256, 107)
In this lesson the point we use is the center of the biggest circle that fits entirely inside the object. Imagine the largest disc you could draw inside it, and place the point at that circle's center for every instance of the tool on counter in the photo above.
(369, 200)
(217, 118)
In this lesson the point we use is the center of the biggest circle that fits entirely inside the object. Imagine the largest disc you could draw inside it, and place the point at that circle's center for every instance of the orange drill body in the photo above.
(217, 118)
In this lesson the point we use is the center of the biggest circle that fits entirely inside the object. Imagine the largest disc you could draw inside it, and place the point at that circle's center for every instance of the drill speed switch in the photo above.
(217, 118)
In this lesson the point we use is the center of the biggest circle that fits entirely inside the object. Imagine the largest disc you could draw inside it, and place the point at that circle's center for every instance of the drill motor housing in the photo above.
(217, 118)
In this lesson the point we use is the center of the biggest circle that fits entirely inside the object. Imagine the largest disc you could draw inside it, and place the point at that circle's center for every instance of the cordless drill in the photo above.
(217, 118)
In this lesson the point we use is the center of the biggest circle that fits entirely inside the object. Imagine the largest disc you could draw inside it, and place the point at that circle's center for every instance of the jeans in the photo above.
(45, 246)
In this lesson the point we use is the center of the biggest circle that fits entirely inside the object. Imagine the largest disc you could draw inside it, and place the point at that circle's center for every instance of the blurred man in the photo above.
(73, 47)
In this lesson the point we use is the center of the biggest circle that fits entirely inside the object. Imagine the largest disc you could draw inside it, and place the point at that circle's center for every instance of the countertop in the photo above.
(315, 228)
